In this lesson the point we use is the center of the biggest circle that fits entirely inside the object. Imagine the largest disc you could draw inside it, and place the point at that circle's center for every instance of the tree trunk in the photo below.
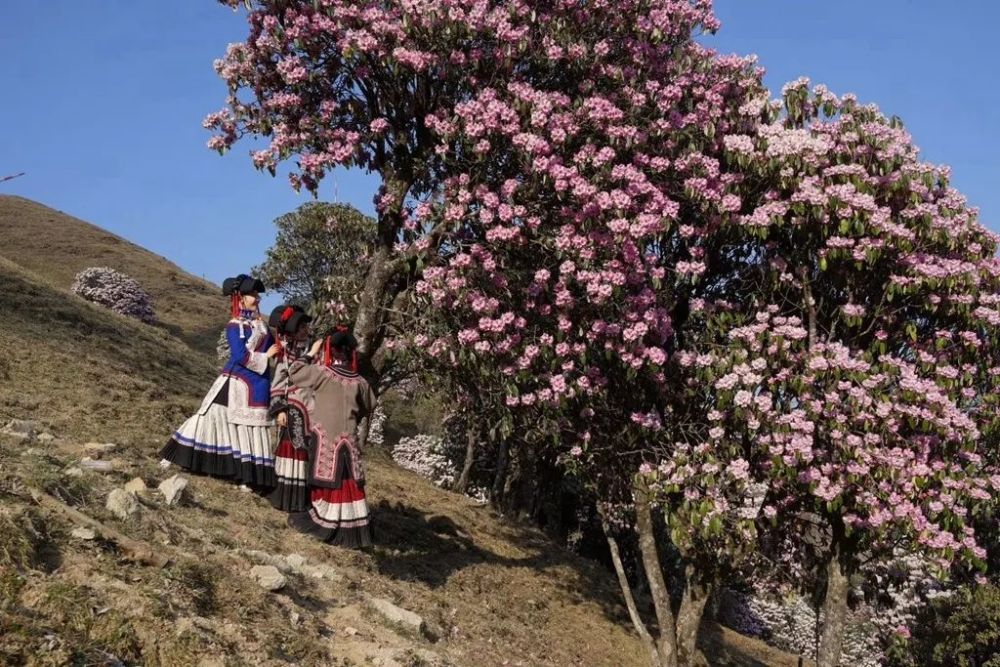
(633, 611)
(369, 325)
(667, 642)
(500, 478)
(462, 484)
(696, 594)
(834, 610)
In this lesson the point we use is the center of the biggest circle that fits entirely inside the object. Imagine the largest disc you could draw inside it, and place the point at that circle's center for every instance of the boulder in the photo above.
(21, 428)
(396, 614)
(172, 489)
(122, 504)
(268, 577)
(136, 486)
(88, 463)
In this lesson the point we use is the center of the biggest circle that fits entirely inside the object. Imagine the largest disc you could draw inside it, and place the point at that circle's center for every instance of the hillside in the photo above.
(55, 247)
(171, 585)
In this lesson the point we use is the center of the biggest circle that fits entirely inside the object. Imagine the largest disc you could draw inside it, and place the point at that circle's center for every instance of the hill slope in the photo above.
(172, 585)
(55, 247)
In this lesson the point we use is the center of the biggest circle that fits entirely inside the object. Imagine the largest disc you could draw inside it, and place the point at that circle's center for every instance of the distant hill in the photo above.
(55, 247)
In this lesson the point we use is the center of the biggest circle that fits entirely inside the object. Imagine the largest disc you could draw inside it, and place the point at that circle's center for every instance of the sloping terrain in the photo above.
(55, 247)
(172, 584)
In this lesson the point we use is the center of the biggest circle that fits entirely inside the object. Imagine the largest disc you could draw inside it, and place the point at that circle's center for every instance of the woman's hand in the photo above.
(314, 350)
(282, 419)
(274, 350)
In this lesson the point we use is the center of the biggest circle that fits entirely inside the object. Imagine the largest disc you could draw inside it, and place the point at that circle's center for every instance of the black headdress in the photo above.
(287, 320)
(242, 284)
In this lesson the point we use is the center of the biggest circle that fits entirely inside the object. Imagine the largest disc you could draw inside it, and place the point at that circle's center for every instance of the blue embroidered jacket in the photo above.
(245, 373)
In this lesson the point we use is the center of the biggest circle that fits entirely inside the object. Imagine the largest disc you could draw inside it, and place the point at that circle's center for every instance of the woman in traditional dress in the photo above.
(290, 406)
(340, 399)
(230, 435)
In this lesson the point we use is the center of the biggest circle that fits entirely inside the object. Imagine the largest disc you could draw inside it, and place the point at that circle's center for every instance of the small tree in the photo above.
(114, 290)
(319, 258)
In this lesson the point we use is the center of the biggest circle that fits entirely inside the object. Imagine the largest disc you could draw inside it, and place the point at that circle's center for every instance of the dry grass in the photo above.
(56, 246)
(82, 370)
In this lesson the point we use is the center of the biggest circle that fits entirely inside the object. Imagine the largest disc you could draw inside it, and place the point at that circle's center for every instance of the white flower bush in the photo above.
(376, 427)
(785, 619)
(436, 459)
(116, 291)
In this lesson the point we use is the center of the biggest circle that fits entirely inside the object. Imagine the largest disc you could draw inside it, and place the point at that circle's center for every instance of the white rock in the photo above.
(350, 632)
(397, 614)
(84, 533)
(268, 577)
(136, 486)
(321, 572)
(21, 428)
(88, 463)
(172, 488)
(73, 472)
(295, 562)
(122, 504)
(45, 438)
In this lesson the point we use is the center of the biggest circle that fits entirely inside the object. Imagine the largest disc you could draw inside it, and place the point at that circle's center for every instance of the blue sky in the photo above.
(103, 103)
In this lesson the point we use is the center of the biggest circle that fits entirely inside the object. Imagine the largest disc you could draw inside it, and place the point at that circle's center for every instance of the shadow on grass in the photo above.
(431, 548)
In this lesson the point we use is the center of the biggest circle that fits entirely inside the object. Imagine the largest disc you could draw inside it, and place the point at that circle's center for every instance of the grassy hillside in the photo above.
(55, 247)
(84, 371)
(171, 585)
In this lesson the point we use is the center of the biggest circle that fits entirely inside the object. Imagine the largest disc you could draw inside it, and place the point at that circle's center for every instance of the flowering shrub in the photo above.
(116, 291)
(376, 425)
(961, 630)
(889, 599)
(436, 459)
(789, 622)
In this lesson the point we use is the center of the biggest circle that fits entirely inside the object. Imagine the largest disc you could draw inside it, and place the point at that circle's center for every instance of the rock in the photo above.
(21, 428)
(88, 463)
(264, 558)
(321, 572)
(173, 489)
(268, 577)
(136, 486)
(84, 533)
(295, 617)
(98, 450)
(395, 614)
(351, 632)
(73, 472)
(295, 562)
(45, 438)
(122, 504)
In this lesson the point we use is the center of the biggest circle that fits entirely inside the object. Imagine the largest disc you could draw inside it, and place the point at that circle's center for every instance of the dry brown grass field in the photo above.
(171, 585)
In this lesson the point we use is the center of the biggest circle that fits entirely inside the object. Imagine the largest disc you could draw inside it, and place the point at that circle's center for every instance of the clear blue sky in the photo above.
(103, 102)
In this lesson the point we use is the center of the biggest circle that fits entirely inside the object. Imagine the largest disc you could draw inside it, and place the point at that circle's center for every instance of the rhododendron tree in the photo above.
(559, 281)
(577, 176)
(863, 391)
(378, 85)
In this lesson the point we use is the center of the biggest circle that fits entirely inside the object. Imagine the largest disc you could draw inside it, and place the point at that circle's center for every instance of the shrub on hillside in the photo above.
(960, 630)
(116, 291)
(434, 458)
